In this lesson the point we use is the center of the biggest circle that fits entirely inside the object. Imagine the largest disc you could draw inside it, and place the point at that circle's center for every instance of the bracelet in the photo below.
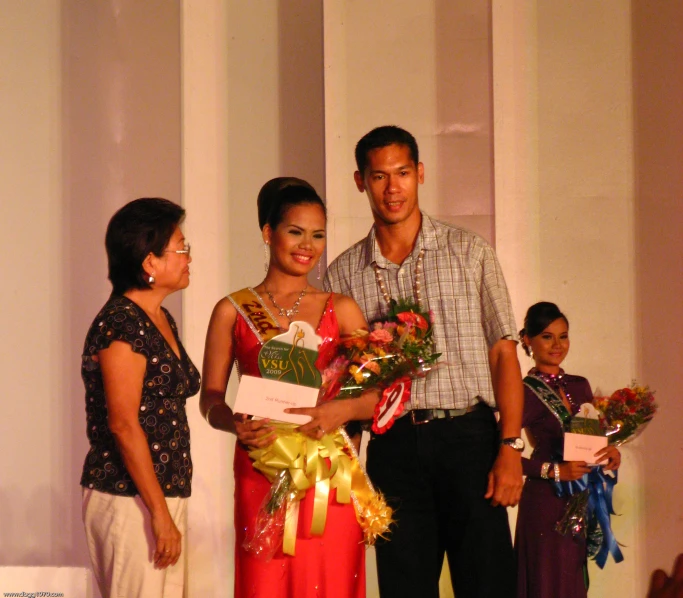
(556, 469)
(544, 471)
(208, 413)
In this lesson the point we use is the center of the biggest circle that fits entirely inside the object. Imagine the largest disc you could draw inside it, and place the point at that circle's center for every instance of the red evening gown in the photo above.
(327, 566)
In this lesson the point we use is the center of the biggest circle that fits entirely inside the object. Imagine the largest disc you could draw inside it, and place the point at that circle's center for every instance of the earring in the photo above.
(151, 279)
(266, 255)
(319, 268)
(531, 353)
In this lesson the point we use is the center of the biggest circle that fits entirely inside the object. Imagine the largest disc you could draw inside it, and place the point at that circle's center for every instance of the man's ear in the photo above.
(420, 173)
(360, 183)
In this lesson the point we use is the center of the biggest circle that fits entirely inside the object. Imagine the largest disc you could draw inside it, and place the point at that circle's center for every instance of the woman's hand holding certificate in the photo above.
(255, 433)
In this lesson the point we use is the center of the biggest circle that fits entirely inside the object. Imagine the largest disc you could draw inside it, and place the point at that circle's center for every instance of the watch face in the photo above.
(515, 443)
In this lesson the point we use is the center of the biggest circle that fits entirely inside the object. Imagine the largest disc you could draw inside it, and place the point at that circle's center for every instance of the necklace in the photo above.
(556, 381)
(292, 311)
(416, 285)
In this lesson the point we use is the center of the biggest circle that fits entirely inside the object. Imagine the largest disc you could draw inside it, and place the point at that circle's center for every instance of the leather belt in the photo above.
(422, 416)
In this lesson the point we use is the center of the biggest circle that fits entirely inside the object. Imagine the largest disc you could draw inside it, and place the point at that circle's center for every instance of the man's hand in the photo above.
(505, 479)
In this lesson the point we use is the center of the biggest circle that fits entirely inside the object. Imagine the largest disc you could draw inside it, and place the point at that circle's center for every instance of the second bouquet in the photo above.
(387, 357)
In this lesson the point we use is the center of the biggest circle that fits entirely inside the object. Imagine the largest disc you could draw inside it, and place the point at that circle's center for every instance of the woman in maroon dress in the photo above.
(293, 221)
(550, 565)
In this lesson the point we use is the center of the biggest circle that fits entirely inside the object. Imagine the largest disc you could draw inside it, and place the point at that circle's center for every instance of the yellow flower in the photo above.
(357, 374)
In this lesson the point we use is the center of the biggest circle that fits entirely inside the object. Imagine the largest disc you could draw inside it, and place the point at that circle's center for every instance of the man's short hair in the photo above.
(382, 137)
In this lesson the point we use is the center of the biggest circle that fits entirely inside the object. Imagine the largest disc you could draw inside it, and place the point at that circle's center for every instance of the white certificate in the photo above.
(269, 398)
(582, 447)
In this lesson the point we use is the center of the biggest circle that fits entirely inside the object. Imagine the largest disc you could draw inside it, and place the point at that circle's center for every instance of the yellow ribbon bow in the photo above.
(305, 459)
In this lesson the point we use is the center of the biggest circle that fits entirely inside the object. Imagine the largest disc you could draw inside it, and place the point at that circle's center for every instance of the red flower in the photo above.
(409, 317)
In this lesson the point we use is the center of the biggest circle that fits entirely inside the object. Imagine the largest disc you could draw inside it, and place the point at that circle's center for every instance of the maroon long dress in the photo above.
(332, 565)
(549, 565)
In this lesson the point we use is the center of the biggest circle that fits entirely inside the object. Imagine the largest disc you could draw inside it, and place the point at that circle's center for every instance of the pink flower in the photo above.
(335, 369)
(381, 336)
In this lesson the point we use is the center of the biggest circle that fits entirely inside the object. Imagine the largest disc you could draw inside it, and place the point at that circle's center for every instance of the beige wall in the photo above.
(657, 55)
(205, 179)
(38, 481)
(90, 119)
(586, 234)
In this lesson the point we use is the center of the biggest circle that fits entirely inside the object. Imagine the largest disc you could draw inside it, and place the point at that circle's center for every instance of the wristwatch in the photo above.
(516, 443)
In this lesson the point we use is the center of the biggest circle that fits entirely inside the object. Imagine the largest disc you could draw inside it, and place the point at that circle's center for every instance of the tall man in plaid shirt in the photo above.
(445, 466)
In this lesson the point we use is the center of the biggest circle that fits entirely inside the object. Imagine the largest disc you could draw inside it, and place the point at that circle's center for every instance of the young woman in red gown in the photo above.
(293, 220)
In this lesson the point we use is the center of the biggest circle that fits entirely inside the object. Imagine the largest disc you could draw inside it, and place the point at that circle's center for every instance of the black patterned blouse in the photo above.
(168, 383)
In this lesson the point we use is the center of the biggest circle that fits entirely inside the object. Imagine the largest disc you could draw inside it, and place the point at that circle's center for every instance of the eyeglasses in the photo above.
(184, 251)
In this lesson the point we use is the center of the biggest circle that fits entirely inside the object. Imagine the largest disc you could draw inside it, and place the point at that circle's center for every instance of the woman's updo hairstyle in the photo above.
(280, 194)
(538, 317)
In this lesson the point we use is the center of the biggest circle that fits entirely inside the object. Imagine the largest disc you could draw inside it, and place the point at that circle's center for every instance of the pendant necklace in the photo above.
(292, 311)
(556, 381)
(416, 285)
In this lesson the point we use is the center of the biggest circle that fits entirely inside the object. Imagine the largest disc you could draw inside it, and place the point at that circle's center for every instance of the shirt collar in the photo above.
(427, 238)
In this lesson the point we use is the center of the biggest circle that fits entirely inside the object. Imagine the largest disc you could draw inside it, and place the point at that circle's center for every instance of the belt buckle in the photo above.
(417, 422)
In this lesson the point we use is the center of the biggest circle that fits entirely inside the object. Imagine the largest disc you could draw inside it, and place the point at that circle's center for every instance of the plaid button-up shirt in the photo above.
(462, 285)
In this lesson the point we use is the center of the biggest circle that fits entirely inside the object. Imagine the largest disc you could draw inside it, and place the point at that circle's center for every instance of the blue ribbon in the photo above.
(600, 487)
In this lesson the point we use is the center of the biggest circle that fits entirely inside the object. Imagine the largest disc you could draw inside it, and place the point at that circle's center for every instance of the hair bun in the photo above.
(269, 195)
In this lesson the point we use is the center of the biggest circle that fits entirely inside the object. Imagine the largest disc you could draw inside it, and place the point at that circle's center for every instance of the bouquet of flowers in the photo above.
(626, 412)
(395, 350)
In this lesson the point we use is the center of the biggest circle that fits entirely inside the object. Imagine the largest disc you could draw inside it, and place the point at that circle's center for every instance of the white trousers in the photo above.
(121, 544)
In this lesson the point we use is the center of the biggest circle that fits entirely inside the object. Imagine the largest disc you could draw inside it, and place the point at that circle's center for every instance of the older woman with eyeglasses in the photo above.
(137, 375)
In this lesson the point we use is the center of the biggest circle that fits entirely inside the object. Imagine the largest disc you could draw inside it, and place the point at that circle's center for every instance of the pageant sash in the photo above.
(550, 399)
(259, 318)
(287, 356)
